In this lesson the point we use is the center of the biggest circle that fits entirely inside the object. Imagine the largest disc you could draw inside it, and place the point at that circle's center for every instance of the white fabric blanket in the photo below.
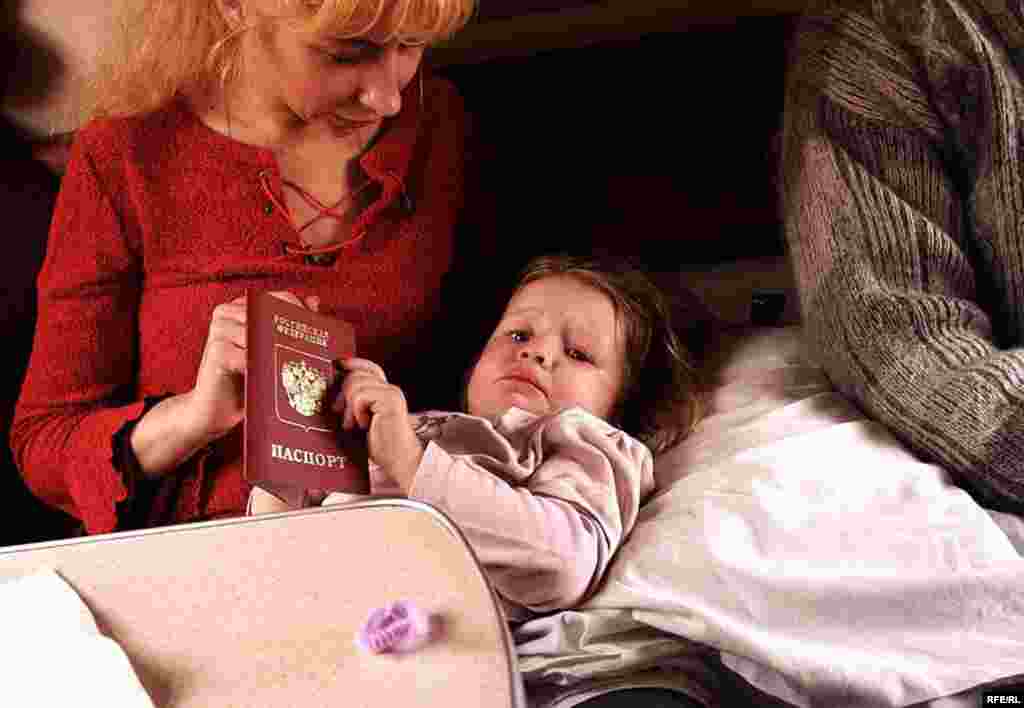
(53, 654)
(826, 563)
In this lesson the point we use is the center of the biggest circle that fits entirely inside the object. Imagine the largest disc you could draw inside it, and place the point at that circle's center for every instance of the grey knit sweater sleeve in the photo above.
(903, 195)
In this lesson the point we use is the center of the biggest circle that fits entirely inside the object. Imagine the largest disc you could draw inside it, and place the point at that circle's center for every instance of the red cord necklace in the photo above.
(315, 254)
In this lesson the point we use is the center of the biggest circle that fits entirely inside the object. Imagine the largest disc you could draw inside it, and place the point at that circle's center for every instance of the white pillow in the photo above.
(762, 387)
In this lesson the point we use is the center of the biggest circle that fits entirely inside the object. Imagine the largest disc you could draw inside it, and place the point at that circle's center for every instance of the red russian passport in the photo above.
(293, 440)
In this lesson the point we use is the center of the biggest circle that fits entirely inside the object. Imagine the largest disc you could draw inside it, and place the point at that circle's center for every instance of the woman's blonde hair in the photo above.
(661, 397)
(165, 47)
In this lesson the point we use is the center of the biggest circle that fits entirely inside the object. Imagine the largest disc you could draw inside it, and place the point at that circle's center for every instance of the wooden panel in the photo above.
(503, 9)
(263, 611)
(579, 26)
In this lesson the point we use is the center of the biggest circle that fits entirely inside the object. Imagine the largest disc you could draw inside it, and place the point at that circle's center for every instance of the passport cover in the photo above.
(293, 440)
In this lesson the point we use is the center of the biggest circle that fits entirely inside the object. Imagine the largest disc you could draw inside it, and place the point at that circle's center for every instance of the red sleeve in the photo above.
(81, 374)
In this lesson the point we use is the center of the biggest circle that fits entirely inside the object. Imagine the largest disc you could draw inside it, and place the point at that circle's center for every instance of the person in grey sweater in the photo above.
(902, 186)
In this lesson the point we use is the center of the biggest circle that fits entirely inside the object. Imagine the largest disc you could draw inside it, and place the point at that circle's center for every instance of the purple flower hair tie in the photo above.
(397, 627)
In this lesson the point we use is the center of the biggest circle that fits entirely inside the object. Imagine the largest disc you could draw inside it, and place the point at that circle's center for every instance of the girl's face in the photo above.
(558, 345)
(343, 85)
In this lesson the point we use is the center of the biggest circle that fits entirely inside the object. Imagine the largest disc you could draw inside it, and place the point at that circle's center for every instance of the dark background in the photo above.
(662, 148)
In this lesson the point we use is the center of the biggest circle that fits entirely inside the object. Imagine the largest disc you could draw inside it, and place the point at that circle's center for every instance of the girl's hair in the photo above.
(164, 47)
(661, 397)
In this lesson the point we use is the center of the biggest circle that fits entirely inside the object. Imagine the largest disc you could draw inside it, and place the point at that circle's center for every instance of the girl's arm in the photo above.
(545, 521)
(546, 535)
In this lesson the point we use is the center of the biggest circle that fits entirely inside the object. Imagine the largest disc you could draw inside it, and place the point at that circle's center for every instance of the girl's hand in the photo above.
(368, 401)
(216, 404)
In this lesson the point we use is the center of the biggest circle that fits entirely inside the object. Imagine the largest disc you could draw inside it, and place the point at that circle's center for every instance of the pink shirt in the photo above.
(545, 502)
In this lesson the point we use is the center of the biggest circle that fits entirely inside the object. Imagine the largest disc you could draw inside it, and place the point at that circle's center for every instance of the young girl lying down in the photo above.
(547, 467)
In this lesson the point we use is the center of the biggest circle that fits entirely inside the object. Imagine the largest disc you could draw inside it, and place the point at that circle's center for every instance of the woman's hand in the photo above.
(178, 427)
(368, 401)
(216, 403)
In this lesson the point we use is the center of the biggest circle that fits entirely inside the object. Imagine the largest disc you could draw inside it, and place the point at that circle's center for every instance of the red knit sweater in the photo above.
(159, 220)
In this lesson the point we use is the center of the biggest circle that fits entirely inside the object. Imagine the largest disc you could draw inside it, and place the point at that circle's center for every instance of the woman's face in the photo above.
(341, 84)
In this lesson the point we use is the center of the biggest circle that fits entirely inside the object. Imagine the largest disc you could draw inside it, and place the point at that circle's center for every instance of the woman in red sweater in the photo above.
(292, 146)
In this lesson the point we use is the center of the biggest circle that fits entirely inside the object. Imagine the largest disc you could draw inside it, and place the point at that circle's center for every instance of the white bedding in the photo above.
(53, 653)
(827, 564)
